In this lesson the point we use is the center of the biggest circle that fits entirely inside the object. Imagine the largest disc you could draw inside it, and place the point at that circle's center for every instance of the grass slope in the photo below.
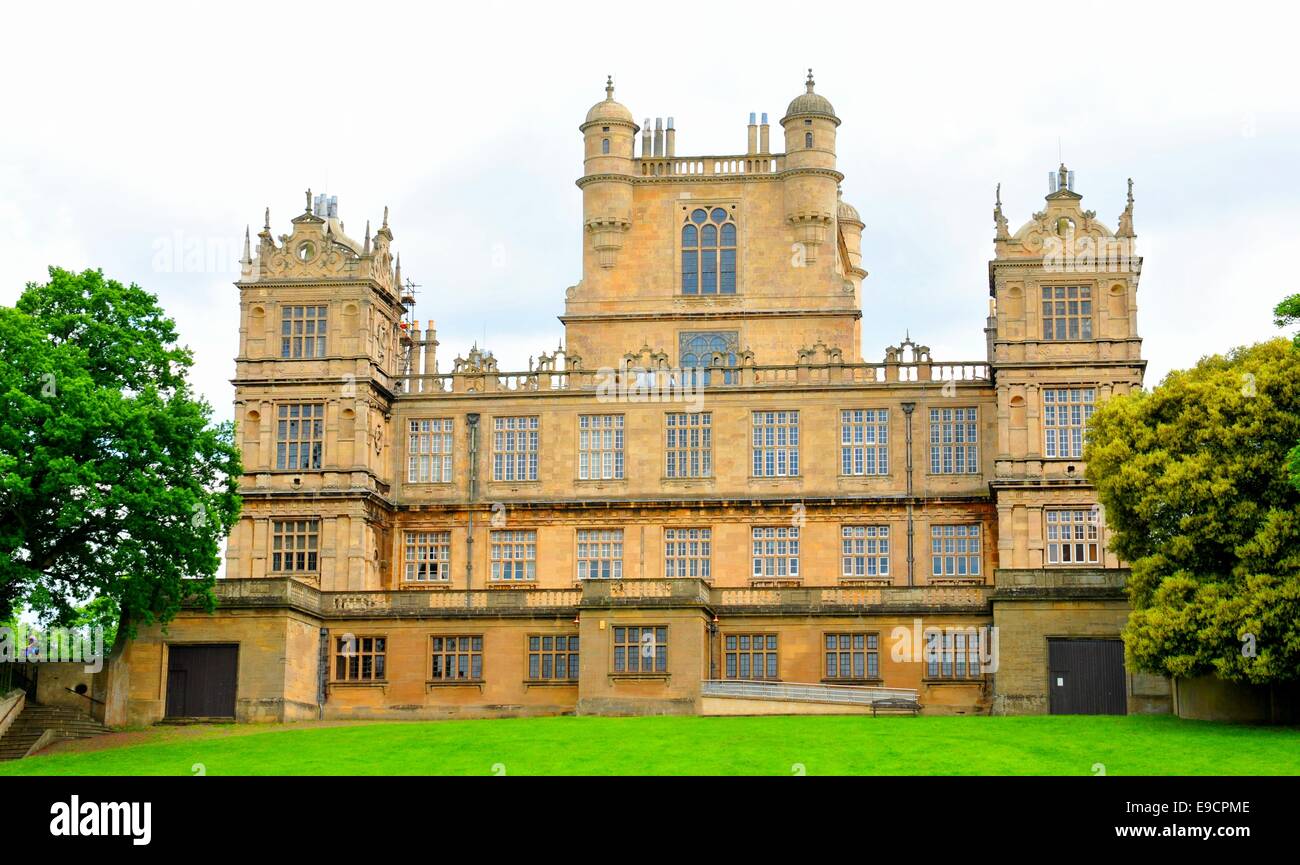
(1043, 745)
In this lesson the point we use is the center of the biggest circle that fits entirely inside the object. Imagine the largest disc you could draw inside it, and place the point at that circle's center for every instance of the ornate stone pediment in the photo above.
(819, 353)
(318, 248)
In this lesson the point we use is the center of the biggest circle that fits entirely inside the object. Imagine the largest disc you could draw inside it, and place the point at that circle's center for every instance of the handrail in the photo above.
(87, 696)
(862, 695)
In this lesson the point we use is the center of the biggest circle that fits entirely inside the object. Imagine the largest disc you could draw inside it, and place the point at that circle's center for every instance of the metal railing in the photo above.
(860, 695)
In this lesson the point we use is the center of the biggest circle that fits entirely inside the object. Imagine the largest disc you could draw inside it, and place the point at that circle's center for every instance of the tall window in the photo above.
(428, 557)
(689, 450)
(697, 350)
(293, 546)
(428, 451)
(514, 555)
(553, 658)
(750, 656)
(953, 655)
(299, 436)
(600, 554)
(852, 656)
(776, 444)
(864, 551)
(515, 442)
(955, 551)
(459, 657)
(688, 553)
(1067, 312)
(709, 252)
(600, 447)
(1066, 412)
(864, 441)
(359, 659)
(302, 331)
(775, 551)
(1072, 537)
(641, 650)
(954, 441)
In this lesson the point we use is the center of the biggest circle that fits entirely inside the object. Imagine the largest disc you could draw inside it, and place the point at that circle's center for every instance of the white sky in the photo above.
(128, 129)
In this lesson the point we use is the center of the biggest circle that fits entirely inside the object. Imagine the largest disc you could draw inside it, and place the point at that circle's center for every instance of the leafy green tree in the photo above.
(115, 487)
(1286, 314)
(1192, 476)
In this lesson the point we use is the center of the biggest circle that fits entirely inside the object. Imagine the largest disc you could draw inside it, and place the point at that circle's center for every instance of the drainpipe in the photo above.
(472, 419)
(323, 672)
(908, 408)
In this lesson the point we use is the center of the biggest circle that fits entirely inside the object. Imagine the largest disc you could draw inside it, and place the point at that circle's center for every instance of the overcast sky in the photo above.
(130, 135)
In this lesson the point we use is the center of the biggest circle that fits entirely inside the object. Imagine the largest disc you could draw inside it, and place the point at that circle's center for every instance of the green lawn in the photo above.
(1135, 745)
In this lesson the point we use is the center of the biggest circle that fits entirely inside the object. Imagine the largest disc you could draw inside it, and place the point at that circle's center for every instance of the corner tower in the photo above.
(1062, 338)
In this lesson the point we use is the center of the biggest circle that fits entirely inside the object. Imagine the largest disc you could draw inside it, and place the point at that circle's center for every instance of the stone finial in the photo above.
(810, 81)
(267, 226)
(999, 220)
(366, 248)
(385, 225)
(248, 246)
(1126, 218)
(609, 88)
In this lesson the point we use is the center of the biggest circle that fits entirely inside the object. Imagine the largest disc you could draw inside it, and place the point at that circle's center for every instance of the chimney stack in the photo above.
(764, 134)
(753, 135)
(659, 136)
(670, 139)
(645, 139)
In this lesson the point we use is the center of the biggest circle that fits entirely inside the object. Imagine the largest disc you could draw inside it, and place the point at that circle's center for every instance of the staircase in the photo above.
(35, 719)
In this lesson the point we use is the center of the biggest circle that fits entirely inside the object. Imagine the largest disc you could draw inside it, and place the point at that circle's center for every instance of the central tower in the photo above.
(692, 259)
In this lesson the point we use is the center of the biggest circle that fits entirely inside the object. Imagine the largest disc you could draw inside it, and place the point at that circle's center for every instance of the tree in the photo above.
(1197, 497)
(1286, 314)
(115, 487)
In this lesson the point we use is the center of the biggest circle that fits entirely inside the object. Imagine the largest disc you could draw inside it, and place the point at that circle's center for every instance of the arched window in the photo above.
(696, 352)
(709, 252)
(604, 145)
(807, 139)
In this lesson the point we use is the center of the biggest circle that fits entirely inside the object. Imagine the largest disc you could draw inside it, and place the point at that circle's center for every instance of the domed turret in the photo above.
(848, 213)
(609, 136)
(608, 109)
(810, 178)
(810, 104)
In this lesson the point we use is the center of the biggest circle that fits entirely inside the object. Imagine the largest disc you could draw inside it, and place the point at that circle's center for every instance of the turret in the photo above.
(810, 177)
(609, 136)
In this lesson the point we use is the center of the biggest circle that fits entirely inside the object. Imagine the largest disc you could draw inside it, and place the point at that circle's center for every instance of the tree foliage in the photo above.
(1198, 500)
(1286, 314)
(115, 488)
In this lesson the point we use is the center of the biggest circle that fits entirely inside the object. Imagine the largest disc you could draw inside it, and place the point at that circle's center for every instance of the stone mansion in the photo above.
(708, 501)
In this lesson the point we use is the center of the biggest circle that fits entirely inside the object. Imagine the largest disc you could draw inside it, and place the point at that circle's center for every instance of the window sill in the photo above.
(454, 683)
(865, 582)
(638, 677)
(383, 684)
(869, 682)
(550, 683)
(507, 585)
(973, 680)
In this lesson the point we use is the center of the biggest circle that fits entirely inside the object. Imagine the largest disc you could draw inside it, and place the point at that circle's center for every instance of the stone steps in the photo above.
(35, 719)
